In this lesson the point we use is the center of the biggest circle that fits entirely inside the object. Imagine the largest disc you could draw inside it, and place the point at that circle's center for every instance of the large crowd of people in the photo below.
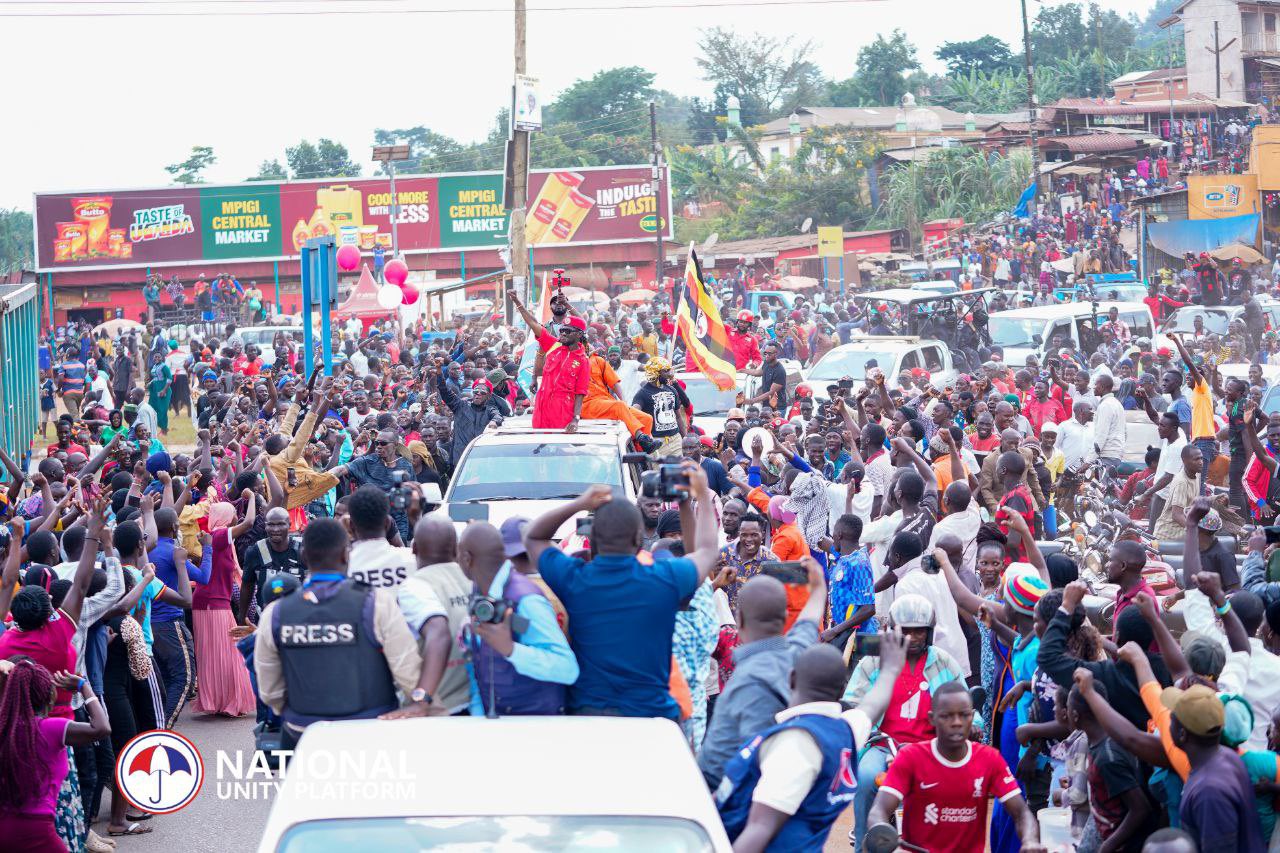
(848, 608)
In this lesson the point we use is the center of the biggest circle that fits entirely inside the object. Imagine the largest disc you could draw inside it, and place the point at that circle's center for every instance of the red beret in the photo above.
(577, 323)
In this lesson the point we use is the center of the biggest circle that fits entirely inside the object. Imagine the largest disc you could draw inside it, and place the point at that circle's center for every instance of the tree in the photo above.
(1057, 31)
(428, 151)
(15, 241)
(770, 77)
(271, 170)
(985, 55)
(882, 65)
(325, 159)
(952, 182)
(188, 171)
(614, 93)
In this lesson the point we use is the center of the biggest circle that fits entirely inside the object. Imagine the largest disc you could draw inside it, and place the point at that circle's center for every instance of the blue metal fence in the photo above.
(20, 378)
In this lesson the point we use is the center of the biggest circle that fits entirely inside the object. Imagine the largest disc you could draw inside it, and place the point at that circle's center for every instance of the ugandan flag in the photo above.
(707, 347)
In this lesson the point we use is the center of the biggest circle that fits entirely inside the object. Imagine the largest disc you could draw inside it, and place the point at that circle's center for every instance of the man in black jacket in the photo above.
(1118, 676)
(469, 418)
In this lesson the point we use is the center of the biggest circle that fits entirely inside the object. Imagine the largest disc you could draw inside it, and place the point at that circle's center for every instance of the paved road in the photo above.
(210, 824)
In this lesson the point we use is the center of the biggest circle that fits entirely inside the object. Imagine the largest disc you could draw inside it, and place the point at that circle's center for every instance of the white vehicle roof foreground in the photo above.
(1069, 309)
(649, 769)
(1240, 370)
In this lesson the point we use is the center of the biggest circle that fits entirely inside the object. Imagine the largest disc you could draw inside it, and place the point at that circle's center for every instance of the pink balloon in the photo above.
(396, 272)
(409, 293)
(348, 257)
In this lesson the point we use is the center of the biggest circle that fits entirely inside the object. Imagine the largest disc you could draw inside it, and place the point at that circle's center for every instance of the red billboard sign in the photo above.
(271, 221)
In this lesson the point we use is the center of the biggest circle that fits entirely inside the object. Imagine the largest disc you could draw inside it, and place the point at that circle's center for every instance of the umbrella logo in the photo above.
(159, 772)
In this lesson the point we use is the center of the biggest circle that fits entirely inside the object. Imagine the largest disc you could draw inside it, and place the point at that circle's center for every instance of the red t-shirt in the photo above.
(243, 365)
(984, 445)
(50, 646)
(944, 804)
(906, 720)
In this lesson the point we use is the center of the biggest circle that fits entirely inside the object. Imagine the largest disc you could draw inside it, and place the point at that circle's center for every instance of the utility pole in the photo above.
(656, 179)
(1217, 51)
(520, 192)
(1032, 112)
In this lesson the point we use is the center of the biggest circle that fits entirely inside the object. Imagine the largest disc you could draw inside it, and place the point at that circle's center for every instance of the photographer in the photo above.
(623, 611)
(520, 659)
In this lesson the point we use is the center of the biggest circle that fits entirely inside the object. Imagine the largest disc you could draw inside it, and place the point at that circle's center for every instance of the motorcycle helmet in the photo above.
(912, 611)
(745, 316)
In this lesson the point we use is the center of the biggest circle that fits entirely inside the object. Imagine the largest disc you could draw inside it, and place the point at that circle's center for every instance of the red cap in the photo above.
(803, 391)
(1164, 352)
(577, 323)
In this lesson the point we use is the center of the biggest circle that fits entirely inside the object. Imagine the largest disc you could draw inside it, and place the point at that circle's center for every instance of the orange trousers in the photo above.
(611, 409)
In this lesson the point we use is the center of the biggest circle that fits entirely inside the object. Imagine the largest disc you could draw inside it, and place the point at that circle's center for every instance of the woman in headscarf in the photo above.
(224, 681)
(426, 469)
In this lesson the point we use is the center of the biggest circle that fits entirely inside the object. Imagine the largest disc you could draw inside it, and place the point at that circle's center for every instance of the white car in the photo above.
(263, 336)
(576, 784)
(516, 470)
(891, 354)
(1026, 331)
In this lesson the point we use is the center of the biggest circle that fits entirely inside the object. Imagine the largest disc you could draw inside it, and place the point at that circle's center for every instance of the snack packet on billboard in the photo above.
(126, 249)
(77, 235)
(368, 237)
(115, 240)
(61, 251)
(384, 239)
(95, 213)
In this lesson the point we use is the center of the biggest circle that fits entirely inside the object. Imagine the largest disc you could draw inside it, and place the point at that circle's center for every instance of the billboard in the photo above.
(1220, 196)
(271, 221)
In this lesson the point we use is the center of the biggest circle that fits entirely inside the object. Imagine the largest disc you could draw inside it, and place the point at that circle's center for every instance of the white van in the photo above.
(1026, 331)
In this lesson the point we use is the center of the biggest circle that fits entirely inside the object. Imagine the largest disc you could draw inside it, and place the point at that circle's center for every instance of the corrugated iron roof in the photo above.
(1091, 143)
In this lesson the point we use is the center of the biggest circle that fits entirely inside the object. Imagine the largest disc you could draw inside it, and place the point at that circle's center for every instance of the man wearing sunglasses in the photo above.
(378, 467)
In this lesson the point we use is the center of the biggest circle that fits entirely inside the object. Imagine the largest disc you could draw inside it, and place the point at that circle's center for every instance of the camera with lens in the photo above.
(667, 482)
(398, 500)
(484, 608)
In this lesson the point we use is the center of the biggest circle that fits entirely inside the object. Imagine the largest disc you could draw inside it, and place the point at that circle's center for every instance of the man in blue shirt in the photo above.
(717, 477)
(622, 604)
(527, 640)
(173, 649)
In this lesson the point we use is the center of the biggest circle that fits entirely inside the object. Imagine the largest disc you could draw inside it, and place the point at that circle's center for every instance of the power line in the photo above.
(257, 11)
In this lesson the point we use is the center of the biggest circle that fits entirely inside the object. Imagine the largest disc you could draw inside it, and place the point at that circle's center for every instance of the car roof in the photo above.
(908, 296)
(883, 343)
(589, 432)
(1066, 309)
(583, 766)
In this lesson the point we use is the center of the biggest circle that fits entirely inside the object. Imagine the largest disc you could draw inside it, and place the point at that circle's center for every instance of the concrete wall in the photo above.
(1198, 18)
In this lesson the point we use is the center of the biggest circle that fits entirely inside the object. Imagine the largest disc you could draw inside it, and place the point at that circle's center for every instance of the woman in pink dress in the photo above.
(224, 680)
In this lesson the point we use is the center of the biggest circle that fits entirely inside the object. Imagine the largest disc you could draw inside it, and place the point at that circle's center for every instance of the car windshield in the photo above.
(569, 834)
(1014, 332)
(524, 470)
(1183, 320)
(707, 399)
(1271, 400)
(836, 365)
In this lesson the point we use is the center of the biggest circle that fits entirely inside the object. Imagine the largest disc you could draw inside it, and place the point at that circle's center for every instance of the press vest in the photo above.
(832, 790)
(333, 664)
(513, 693)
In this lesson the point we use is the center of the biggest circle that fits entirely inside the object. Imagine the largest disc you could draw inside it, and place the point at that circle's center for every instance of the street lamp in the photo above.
(389, 155)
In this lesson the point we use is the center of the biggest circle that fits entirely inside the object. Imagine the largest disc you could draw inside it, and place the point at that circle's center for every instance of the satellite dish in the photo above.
(808, 223)
(710, 241)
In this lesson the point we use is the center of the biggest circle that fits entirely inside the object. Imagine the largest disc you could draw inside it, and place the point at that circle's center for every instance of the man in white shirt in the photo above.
(962, 520)
(905, 560)
(1169, 466)
(435, 601)
(1254, 674)
(1076, 437)
(373, 559)
(790, 758)
(1109, 426)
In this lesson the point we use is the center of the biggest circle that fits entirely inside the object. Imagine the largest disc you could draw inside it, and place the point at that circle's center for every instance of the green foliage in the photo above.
(1060, 30)
(188, 171)
(617, 92)
(271, 170)
(984, 55)
(882, 65)
(953, 182)
(15, 241)
(325, 159)
(771, 77)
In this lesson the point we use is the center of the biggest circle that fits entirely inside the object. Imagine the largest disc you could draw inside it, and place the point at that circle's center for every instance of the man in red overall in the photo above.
(746, 346)
(566, 373)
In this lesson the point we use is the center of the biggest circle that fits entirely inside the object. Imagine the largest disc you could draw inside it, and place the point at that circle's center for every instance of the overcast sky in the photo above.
(107, 102)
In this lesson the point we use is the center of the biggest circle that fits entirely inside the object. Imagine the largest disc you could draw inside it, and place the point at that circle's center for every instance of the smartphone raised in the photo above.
(790, 571)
